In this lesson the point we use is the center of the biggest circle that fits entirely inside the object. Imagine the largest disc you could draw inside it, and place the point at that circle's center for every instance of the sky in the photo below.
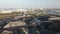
(29, 3)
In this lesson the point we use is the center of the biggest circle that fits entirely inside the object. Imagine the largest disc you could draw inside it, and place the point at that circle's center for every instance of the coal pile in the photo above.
(30, 25)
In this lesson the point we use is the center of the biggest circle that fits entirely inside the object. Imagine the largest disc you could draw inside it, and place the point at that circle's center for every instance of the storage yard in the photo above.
(30, 23)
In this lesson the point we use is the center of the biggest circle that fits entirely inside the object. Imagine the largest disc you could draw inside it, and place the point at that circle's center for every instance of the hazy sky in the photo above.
(29, 3)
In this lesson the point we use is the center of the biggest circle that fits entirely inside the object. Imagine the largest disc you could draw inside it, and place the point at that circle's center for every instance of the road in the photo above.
(16, 23)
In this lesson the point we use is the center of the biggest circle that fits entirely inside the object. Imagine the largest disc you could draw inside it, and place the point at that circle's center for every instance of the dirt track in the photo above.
(55, 18)
(16, 23)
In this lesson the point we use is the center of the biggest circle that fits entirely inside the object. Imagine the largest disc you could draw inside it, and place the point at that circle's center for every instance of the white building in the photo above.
(22, 10)
(41, 8)
(15, 10)
(6, 11)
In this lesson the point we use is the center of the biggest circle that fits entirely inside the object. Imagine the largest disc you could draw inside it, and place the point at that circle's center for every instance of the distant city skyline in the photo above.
(29, 3)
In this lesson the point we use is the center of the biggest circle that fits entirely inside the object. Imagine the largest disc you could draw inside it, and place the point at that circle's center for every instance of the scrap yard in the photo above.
(30, 23)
